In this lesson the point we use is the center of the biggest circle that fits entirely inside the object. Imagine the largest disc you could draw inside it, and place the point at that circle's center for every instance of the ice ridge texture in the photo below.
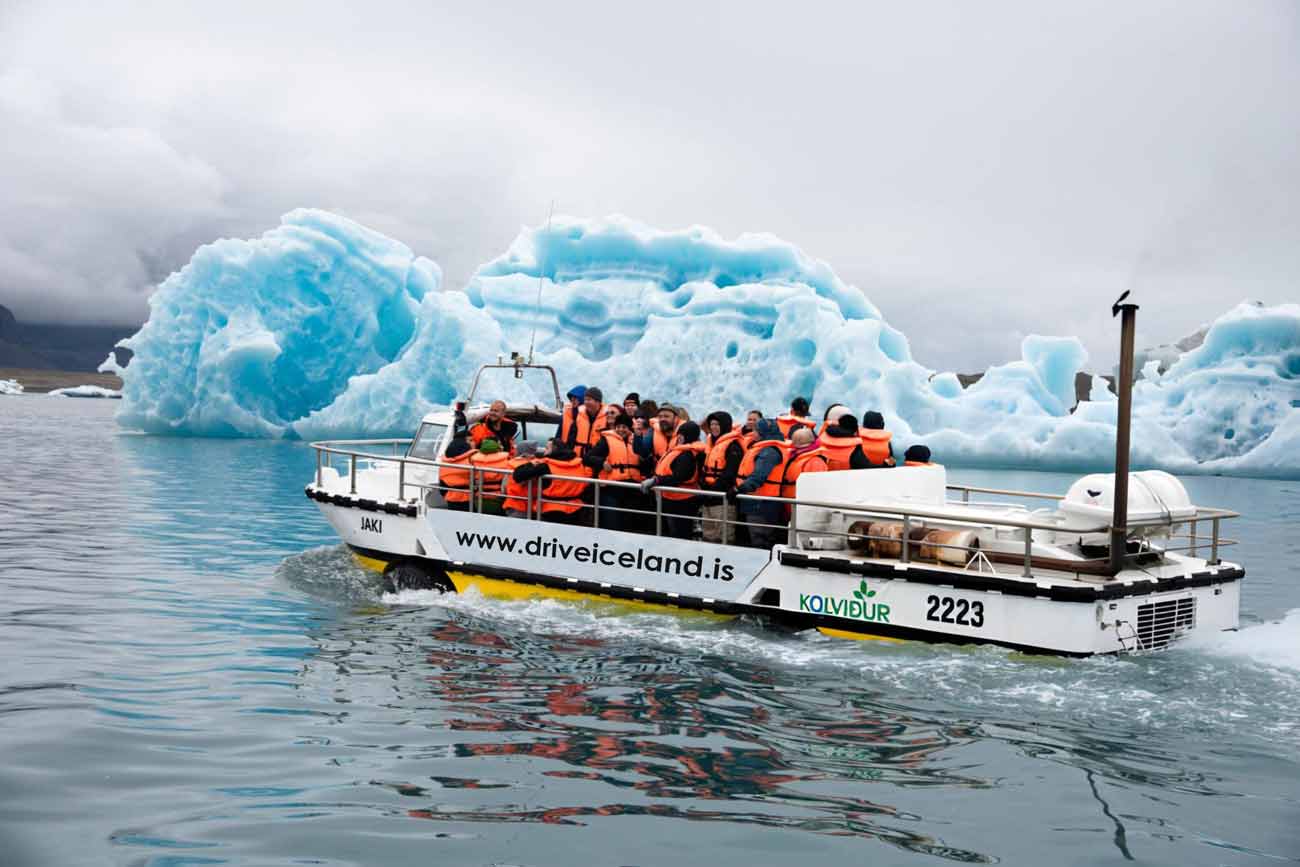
(324, 328)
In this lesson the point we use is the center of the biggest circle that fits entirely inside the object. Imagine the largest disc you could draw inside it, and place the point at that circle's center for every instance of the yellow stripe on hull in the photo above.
(498, 588)
(856, 636)
(370, 562)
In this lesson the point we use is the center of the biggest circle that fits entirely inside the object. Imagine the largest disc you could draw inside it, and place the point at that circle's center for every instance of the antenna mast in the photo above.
(541, 274)
(1119, 522)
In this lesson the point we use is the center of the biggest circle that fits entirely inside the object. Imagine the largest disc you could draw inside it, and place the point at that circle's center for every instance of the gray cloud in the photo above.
(982, 171)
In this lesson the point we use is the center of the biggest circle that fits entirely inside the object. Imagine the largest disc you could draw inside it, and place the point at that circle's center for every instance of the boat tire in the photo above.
(414, 576)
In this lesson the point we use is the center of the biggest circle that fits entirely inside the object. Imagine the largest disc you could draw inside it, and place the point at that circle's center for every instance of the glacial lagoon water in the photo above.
(193, 672)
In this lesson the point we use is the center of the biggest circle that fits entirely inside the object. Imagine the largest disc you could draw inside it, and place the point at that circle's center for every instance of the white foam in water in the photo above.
(1276, 643)
(322, 327)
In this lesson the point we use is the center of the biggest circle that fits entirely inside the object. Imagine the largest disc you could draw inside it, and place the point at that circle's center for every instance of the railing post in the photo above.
(596, 502)
(1029, 552)
(659, 513)
(1192, 538)
(318, 468)
(352, 471)
(906, 554)
(473, 501)
(794, 526)
(726, 524)
(401, 479)
(965, 495)
(1214, 543)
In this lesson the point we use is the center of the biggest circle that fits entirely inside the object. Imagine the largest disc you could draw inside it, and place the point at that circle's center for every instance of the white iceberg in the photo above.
(10, 386)
(324, 328)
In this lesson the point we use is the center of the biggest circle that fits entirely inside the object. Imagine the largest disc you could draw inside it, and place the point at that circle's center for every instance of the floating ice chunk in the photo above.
(86, 391)
(10, 386)
(252, 336)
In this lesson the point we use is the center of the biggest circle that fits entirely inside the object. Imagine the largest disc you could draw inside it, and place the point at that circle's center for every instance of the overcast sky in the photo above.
(981, 170)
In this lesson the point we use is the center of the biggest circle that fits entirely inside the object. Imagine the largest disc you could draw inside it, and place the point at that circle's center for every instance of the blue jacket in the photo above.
(766, 462)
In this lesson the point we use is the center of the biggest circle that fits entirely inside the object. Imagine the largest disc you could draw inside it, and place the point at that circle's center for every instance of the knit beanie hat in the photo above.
(489, 446)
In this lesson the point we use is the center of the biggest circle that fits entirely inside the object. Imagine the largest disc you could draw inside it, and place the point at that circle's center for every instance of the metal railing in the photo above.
(481, 498)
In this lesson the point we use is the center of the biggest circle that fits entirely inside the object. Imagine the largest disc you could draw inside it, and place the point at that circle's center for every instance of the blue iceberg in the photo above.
(322, 327)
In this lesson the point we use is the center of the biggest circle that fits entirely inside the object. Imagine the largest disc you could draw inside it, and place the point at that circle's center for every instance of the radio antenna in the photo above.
(541, 274)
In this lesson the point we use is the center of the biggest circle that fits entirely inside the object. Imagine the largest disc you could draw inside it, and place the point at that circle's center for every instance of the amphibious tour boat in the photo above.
(1120, 563)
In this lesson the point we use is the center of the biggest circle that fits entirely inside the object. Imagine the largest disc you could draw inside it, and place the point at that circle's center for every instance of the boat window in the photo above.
(425, 444)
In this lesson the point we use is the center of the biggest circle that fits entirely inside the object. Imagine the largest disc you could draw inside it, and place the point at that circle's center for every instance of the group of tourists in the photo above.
(646, 445)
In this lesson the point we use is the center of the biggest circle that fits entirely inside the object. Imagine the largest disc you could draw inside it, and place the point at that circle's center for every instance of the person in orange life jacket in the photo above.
(875, 439)
(833, 413)
(569, 414)
(747, 430)
(562, 498)
(806, 456)
(679, 467)
(917, 456)
(796, 417)
(516, 503)
(631, 404)
(613, 458)
(721, 461)
(497, 426)
(657, 441)
(454, 480)
(491, 466)
(842, 445)
(760, 473)
(589, 421)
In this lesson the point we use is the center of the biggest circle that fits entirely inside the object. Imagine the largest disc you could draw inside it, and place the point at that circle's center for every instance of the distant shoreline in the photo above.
(42, 381)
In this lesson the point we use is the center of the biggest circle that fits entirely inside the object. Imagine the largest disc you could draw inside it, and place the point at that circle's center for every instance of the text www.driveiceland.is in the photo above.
(595, 554)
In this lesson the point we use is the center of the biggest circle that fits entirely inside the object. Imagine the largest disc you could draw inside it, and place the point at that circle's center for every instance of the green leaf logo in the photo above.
(862, 592)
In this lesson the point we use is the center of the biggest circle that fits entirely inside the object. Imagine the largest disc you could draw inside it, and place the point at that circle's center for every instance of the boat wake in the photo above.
(1242, 682)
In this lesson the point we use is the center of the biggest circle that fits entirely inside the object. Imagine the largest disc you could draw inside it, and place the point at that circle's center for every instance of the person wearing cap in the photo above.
(589, 421)
(795, 418)
(875, 439)
(497, 426)
(615, 460)
(569, 415)
(659, 438)
(631, 404)
(490, 468)
(679, 468)
(517, 503)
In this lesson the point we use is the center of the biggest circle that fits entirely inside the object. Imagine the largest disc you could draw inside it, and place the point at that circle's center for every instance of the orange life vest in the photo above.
(489, 472)
(569, 492)
(624, 463)
(875, 445)
(662, 441)
(516, 492)
(716, 460)
(566, 421)
(588, 432)
(771, 487)
(455, 480)
(787, 423)
(665, 468)
(838, 450)
(480, 431)
(812, 461)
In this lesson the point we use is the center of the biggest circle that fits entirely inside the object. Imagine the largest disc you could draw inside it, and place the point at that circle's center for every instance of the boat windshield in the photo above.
(425, 444)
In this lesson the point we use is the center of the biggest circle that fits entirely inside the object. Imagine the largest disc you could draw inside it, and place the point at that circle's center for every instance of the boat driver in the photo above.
(496, 426)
